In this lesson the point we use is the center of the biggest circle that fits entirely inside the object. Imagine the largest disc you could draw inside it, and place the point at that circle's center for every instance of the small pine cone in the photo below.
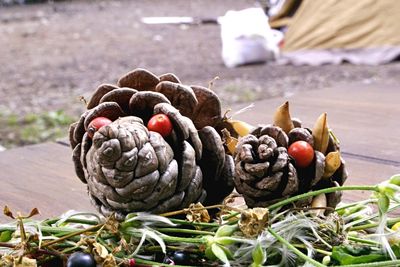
(265, 173)
(128, 168)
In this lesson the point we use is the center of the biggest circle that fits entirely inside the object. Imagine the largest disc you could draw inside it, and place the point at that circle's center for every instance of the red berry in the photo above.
(132, 262)
(96, 124)
(161, 124)
(302, 152)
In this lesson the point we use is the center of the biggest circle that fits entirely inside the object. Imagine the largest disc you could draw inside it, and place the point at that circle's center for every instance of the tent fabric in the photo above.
(333, 31)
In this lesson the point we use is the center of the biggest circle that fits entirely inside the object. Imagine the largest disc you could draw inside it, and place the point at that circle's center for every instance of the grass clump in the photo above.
(33, 128)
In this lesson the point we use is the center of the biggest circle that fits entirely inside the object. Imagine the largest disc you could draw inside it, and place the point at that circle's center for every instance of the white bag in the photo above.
(247, 37)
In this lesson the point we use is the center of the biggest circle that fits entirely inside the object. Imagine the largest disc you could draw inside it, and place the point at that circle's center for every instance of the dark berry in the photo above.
(181, 258)
(80, 259)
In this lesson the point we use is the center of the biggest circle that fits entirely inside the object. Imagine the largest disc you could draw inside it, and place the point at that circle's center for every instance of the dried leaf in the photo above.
(112, 224)
(100, 251)
(6, 261)
(33, 212)
(197, 213)
(321, 133)
(332, 163)
(109, 261)
(282, 118)
(8, 212)
(240, 127)
(25, 262)
(230, 142)
(253, 221)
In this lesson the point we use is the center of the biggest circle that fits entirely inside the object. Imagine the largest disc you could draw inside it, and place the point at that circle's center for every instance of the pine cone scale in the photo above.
(187, 166)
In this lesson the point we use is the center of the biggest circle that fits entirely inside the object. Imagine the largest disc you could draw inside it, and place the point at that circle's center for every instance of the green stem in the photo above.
(362, 202)
(184, 231)
(175, 239)
(390, 222)
(321, 191)
(316, 249)
(153, 263)
(174, 248)
(45, 229)
(294, 249)
(172, 239)
(72, 220)
(375, 264)
(363, 241)
(229, 216)
(370, 218)
(104, 243)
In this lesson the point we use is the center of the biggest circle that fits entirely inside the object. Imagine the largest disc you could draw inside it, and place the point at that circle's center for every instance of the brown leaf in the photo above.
(25, 262)
(6, 261)
(253, 221)
(34, 212)
(109, 261)
(100, 251)
(332, 163)
(321, 133)
(197, 213)
(282, 118)
(8, 212)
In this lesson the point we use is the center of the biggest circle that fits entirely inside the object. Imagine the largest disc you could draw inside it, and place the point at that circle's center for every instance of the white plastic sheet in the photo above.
(248, 38)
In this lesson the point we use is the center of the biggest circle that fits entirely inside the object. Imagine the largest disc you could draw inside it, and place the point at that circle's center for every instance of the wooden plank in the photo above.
(41, 176)
(364, 117)
(363, 172)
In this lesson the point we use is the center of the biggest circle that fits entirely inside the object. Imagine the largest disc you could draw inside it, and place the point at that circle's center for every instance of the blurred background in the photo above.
(54, 53)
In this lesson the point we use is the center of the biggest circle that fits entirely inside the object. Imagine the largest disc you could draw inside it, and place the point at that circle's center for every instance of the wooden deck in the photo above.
(364, 117)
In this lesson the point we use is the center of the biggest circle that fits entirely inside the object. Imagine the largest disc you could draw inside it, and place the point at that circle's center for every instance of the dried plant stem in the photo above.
(185, 211)
(184, 231)
(7, 245)
(90, 229)
(202, 224)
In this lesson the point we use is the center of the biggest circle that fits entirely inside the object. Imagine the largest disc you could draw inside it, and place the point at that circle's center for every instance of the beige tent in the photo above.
(333, 31)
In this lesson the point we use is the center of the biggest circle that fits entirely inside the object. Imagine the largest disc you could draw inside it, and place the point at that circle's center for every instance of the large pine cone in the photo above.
(265, 173)
(128, 168)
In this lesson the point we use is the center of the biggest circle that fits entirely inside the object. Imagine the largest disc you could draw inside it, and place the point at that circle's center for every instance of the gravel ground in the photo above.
(50, 54)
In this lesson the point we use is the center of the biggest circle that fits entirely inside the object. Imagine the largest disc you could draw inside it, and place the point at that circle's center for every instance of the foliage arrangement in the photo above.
(362, 233)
